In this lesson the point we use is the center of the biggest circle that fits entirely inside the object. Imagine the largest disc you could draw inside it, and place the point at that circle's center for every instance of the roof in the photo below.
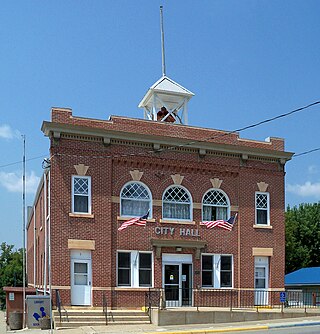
(166, 87)
(304, 276)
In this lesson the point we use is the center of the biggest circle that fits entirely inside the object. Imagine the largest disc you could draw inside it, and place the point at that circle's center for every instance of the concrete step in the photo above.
(58, 325)
(78, 317)
(84, 318)
(100, 312)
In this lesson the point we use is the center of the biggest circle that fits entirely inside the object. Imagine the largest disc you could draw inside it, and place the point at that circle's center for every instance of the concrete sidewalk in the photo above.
(185, 329)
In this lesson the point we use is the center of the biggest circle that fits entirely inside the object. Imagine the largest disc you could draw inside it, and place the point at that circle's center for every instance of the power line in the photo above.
(19, 162)
(268, 120)
(277, 117)
(306, 152)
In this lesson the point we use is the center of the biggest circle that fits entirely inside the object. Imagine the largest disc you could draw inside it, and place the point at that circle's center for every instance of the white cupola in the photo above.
(166, 101)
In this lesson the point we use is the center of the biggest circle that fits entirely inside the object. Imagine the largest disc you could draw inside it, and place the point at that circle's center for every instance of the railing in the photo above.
(300, 298)
(105, 307)
(60, 307)
(230, 298)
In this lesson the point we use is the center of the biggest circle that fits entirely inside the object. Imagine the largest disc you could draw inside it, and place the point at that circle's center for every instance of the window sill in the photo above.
(268, 227)
(81, 215)
(127, 288)
(128, 218)
(204, 288)
(174, 221)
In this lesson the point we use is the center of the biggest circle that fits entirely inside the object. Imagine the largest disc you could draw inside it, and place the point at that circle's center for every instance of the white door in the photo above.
(81, 282)
(261, 277)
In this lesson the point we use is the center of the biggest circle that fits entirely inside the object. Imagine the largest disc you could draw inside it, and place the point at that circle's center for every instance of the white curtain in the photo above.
(134, 208)
(176, 211)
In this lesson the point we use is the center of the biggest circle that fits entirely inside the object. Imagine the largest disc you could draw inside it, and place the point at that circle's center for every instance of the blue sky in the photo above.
(246, 61)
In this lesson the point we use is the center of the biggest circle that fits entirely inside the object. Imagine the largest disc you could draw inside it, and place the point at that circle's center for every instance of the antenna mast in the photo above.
(162, 43)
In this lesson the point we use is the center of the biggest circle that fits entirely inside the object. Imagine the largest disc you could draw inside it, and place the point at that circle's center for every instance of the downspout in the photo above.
(49, 247)
(34, 247)
(45, 233)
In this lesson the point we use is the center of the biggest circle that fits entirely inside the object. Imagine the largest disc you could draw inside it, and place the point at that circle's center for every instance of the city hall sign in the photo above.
(183, 232)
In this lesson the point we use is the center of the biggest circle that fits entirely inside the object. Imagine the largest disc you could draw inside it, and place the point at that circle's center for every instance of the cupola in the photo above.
(166, 101)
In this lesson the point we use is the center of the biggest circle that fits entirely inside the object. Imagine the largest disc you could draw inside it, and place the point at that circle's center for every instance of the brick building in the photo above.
(104, 172)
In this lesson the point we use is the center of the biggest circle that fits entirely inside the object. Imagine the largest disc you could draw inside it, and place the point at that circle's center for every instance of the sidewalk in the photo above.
(185, 329)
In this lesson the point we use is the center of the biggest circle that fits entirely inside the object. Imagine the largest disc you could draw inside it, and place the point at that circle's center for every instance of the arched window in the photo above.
(135, 200)
(215, 205)
(176, 204)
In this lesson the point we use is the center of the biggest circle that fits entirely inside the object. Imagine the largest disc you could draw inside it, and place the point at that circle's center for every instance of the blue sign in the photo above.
(282, 297)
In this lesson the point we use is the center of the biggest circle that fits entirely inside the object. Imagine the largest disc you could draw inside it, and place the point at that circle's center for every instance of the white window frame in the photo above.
(218, 206)
(150, 198)
(89, 193)
(190, 204)
(267, 209)
(134, 269)
(216, 270)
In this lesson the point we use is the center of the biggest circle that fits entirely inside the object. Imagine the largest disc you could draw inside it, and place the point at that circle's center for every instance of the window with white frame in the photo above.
(134, 269)
(217, 271)
(81, 194)
(176, 204)
(215, 205)
(135, 200)
(262, 208)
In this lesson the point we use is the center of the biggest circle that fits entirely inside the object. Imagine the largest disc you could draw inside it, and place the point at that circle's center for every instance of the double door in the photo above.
(177, 280)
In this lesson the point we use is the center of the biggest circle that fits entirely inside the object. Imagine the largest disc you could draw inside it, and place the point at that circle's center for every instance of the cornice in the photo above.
(55, 130)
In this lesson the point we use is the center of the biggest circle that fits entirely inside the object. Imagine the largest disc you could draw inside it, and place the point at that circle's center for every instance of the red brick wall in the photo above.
(109, 168)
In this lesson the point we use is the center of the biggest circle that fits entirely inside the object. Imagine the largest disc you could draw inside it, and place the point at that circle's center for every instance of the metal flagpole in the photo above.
(24, 230)
(162, 43)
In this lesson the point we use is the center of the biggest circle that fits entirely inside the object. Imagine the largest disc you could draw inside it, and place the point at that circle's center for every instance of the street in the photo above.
(288, 330)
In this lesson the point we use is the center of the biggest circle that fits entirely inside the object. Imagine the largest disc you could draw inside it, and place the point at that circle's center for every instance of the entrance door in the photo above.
(186, 284)
(177, 279)
(80, 282)
(261, 272)
(172, 285)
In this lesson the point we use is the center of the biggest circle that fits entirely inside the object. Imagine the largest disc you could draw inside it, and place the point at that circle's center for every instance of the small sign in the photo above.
(183, 278)
(11, 296)
(282, 297)
(171, 277)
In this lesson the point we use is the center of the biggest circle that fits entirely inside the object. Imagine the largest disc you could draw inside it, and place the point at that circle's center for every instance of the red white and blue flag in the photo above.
(226, 224)
(140, 221)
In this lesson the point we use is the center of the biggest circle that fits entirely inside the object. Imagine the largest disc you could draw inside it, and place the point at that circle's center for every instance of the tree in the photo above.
(11, 273)
(302, 236)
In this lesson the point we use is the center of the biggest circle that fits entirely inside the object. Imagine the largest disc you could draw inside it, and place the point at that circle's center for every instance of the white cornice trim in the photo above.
(48, 128)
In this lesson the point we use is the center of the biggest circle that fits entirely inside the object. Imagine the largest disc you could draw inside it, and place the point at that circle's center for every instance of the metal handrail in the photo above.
(60, 307)
(235, 298)
(105, 307)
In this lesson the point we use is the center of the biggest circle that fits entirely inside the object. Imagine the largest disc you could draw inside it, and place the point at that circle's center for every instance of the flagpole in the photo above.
(162, 43)
(24, 231)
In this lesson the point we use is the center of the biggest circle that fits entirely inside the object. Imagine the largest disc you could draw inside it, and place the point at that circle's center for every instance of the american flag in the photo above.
(140, 221)
(226, 224)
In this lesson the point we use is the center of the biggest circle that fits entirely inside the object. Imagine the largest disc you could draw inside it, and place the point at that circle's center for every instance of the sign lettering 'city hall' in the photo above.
(183, 232)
